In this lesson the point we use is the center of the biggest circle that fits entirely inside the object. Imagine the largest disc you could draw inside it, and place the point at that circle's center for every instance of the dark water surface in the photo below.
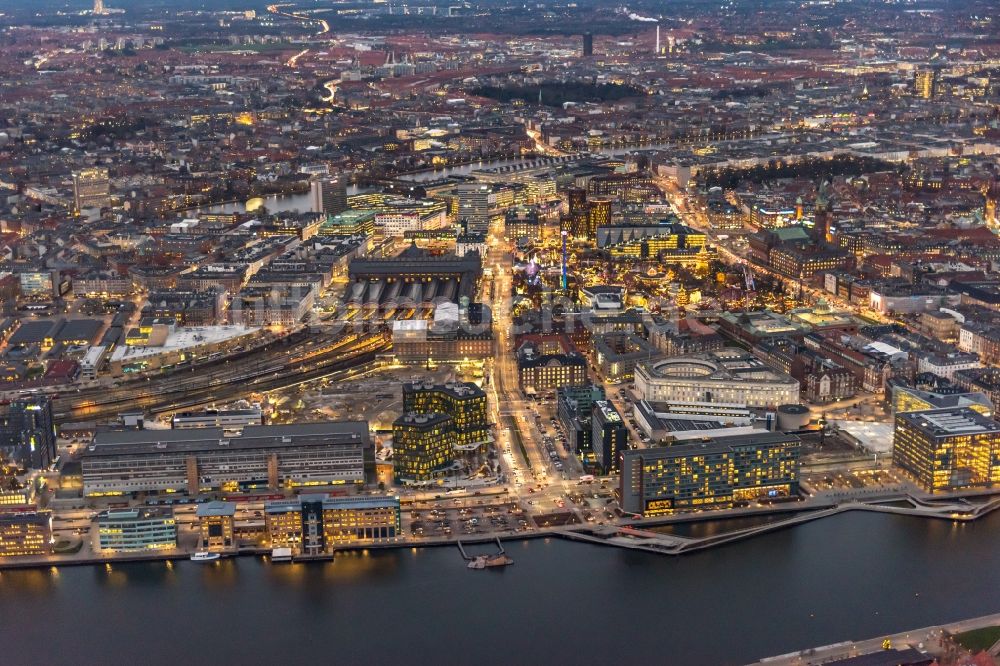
(851, 576)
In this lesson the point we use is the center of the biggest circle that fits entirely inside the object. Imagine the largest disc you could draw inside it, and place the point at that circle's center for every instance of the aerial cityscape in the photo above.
(438, 333)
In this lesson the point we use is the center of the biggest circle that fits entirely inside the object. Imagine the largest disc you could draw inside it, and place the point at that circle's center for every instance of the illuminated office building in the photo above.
(25, 533)
(948, 449)
(476, 202)
(909, 399)
(609, 437)
(348, 520)
(422, 447)
(138, 529)
(215, 526)
(91, 189)
(925, 83)
(464, 402)
(711, 474)
(315, 524)
(598, 215)
(28, 434)
(328, 195)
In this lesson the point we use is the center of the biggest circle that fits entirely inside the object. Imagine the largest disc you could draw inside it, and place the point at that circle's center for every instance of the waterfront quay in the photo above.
(508, 520)
(930, 640)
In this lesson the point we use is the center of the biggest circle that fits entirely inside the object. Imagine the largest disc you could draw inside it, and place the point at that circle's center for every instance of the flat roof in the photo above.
(714, 445)
(348, 502)
(215, 509)
(184, 338)
(874, 436)
(950, 422)
(32, 331)
(138, 442)
(79, 329)
(454, 389)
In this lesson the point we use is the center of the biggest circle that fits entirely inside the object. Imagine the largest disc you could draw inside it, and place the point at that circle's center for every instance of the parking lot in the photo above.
(440, 520)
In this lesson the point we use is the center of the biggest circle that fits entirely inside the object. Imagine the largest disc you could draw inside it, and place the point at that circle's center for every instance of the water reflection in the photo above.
(33, 581)
(716, 527)
(849, 576)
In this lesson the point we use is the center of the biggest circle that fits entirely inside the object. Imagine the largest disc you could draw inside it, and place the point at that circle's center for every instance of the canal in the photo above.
(852, 576)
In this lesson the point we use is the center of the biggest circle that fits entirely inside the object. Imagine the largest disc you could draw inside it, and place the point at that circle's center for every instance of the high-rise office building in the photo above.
(925, 83)
(422, 447)
(598, 215)
(714, 473)
(29, 433)
(610, 435)
(588, 44)
(948, 449)
(329, 195)
(475, 205)
(91, 188)
(464, 402)
(576, 197)
(575, 406)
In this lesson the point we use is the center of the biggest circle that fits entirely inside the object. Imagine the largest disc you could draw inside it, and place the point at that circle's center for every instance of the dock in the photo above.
(467, 557)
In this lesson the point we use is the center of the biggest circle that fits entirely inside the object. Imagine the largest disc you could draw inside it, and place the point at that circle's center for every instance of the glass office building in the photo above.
(948, 449)
(134, 530)
(422, 447)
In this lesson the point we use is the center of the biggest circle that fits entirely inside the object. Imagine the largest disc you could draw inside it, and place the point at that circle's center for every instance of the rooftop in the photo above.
(183, 338)
(950, 422)
(715, 445)
(138, 442)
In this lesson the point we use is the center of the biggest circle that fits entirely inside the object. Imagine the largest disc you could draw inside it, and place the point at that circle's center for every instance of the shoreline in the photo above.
(632, 535)
(924, 638)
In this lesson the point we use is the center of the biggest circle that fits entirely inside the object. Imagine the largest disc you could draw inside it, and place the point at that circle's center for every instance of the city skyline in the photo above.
(315, 287)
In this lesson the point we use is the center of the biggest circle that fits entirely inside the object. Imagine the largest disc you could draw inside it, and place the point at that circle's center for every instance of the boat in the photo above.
(281, 555)
(204, 556)
(486, 561)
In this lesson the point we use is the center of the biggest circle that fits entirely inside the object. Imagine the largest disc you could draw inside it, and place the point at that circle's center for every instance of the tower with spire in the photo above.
(821, 218)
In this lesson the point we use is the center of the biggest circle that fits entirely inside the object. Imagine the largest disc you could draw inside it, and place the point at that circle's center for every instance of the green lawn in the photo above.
(978, 639)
